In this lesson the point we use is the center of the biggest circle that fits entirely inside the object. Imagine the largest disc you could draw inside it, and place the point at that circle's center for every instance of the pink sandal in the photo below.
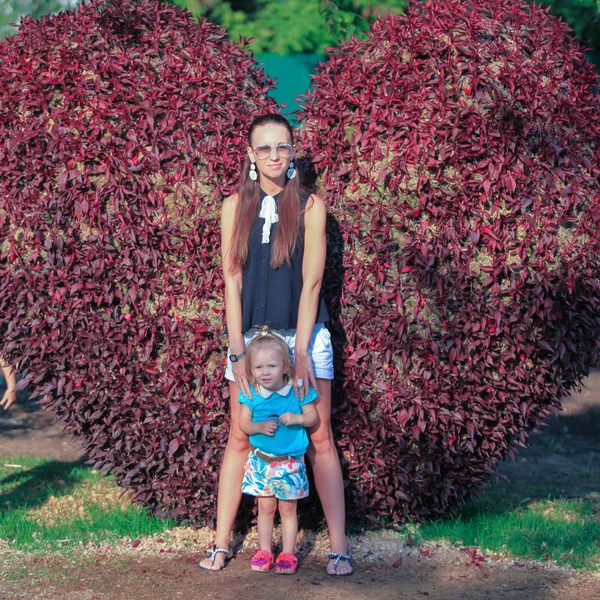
(262, 561)
(286, 564)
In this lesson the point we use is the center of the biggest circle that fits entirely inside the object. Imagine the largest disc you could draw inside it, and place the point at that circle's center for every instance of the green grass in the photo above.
(49, 505)
(52, 506)
(519, 522)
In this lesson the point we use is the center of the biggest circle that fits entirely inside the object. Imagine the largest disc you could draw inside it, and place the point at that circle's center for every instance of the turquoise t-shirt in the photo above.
(291, 440)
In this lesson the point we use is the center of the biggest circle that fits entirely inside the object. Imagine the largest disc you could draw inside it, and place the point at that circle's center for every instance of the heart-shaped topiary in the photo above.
(458, 150)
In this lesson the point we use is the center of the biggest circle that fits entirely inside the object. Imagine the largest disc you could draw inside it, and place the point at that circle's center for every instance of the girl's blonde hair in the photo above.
(266, 340)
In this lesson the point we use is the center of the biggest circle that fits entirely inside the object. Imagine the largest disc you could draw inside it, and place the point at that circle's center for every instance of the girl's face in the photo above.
(267, 369)
(274, 165)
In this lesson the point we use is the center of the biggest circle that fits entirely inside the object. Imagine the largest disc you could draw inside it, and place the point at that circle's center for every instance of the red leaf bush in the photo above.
(121, 126)
(458, 148)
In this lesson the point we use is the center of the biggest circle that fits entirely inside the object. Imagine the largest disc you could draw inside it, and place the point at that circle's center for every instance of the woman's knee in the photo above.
(322, 439)
(238, 442)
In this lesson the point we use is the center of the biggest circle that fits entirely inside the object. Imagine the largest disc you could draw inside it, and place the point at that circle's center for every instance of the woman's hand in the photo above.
(8, 399)
(239, 372)
(303, 374)
(269, 427)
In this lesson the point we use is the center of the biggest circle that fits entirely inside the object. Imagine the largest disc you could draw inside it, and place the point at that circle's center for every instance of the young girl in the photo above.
(275, 420)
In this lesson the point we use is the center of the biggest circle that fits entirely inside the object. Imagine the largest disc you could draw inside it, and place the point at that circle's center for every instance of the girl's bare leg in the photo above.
(328, 477)
(267, 507)
(289, 524)
(230, 480)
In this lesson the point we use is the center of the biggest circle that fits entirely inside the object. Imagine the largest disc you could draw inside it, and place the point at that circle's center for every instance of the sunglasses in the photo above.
(263, 151)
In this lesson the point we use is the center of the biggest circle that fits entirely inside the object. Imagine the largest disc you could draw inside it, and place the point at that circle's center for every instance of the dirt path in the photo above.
(563, 458)
(167, 578)
(28, 429)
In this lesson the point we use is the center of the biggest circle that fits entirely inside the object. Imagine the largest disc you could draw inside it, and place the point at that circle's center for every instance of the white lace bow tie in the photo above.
(268, 212)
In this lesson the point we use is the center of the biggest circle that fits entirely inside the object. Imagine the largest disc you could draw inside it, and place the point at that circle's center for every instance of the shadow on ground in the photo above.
(31, 488)
(563, 459)
(27, 429)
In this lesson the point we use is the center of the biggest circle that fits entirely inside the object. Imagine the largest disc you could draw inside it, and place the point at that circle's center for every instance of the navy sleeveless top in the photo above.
(272, 296)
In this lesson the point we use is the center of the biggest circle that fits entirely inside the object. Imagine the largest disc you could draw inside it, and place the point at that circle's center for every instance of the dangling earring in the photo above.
(291, 172)
(253, 174)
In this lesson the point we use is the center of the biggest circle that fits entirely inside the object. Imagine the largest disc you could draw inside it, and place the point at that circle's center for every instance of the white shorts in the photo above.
(319, 349)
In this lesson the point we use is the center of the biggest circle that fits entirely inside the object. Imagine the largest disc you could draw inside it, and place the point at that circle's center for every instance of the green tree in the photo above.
(292, 26)
(11, 11)
(583, 16)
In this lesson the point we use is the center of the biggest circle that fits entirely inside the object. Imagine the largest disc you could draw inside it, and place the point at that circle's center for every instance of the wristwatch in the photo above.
(235, 357)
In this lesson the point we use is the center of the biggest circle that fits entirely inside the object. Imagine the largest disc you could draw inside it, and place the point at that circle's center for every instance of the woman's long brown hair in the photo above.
(289, 212)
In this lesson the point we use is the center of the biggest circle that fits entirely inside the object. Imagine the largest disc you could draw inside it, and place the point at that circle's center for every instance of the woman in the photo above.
(271, 280)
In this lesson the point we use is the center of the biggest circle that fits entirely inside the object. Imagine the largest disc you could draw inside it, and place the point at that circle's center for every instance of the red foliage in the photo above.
(458, 148)
(121, 125)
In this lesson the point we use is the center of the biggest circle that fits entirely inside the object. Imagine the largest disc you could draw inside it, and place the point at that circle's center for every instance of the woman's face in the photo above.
(274, 165)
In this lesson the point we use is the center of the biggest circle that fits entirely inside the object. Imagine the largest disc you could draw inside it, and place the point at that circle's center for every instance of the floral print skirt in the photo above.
(286, 480)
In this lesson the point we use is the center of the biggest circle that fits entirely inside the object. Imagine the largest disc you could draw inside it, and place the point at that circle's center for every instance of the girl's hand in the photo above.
(8, 399)
(239, 372)
(269, 427)
(289, 418)
(303, 374)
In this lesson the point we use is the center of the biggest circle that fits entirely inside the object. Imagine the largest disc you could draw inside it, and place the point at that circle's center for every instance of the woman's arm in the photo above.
(250, 428)
(233, 293)
(10, 395)
(313, 266)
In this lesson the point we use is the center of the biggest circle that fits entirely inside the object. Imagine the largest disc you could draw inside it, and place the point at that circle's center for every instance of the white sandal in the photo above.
(338, 557)
(212, 553)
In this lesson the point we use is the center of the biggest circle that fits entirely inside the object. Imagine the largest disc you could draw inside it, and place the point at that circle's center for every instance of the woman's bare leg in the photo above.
(328, 476)
(231, 476)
